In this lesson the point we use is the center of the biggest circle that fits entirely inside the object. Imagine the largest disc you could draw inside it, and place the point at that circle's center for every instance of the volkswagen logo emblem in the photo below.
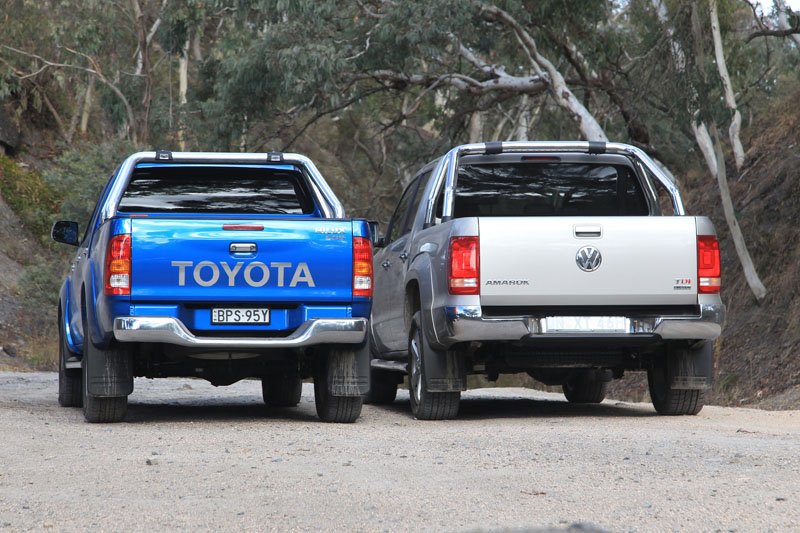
(588, 258)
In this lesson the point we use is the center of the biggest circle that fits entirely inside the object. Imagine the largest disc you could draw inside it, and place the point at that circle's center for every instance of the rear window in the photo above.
(548, 189)
(217, 189)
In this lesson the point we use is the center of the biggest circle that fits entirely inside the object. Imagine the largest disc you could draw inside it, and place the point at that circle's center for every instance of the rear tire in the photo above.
(101, 409)
(330, 408)
(98, 409)
(426, 405)
(584, 387)
(669, 400)
(282, 389)
(70, 380)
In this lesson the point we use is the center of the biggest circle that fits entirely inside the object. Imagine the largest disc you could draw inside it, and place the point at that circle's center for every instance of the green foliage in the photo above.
(80, 174)
(67, 191)
(28, 195)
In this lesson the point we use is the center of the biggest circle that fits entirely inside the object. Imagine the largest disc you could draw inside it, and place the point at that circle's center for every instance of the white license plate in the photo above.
(238, 315)
(603, 324)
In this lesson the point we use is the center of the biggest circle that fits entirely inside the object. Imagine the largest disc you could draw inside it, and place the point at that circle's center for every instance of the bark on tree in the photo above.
(561, 93)
(498, 129)
(87, 106)
(476, 127)
(183, 87)
(706, 146)
(749, 268)
(730, 97)
(716, 165)
(523, 120)
(146, 71)
(783, 20)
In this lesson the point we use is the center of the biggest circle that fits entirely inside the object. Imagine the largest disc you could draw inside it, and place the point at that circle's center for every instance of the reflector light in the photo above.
(118, 265)
(463, 266)
(243, 227)
(540, 158)
(708, 265)
(362, 267)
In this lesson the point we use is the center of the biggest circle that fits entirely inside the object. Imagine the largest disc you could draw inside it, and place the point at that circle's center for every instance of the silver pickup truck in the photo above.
(570, 261)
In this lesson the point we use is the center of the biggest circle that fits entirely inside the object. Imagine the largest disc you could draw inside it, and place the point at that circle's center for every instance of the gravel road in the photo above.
(193, 457)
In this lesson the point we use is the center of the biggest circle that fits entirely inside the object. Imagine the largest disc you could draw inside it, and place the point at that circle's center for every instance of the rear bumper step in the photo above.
(170, 330)
(466, 323)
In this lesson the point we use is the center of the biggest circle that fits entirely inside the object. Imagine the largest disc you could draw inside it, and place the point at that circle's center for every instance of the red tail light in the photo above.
(463, 266)
(362, 266)
(708, 265)
(118, 265)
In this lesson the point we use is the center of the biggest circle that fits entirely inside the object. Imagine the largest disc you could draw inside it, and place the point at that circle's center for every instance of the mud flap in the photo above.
(444, 371)
(109, 372)
(691, 368)
(348, 370)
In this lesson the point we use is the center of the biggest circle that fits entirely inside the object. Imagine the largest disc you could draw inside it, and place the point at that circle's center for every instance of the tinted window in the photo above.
(548, 189)
(93, 221)
(221, 189)
(395, 228)
(414, 207)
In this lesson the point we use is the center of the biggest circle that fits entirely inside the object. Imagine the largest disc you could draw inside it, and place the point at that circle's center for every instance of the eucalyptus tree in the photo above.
(708, 82)
(60, 48)
(428, 74)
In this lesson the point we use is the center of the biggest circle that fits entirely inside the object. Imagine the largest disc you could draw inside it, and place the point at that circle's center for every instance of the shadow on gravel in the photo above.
(204, 411)
(529, 408)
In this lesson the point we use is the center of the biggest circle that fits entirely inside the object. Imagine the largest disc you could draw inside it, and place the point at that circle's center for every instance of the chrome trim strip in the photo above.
(331, 206)
(327, 193)
(466, 323)
(439, 173)
(170, 330)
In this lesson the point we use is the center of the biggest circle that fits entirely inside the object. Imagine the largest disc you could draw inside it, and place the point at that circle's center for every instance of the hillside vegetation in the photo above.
(373, 89)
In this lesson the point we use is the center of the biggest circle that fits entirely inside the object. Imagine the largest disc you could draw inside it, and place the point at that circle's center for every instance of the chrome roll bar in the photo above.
(448, 166)
(330, 205)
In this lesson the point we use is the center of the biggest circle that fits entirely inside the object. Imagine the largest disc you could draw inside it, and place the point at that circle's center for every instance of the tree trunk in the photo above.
(715, 161)
(749, 268)
(730, 97)
(183, 86)
(498, 129)
(783, 20)
(476, 127)
(564, 97)
(147, 72)
(523, 120)
(87, 106)
(706, 146)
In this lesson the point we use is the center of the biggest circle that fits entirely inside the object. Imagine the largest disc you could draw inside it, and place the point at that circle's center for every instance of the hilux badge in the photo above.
(588, 258)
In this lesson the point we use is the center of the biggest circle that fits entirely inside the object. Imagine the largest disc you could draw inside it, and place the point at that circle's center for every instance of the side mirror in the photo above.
(65, 231)
(374, 232)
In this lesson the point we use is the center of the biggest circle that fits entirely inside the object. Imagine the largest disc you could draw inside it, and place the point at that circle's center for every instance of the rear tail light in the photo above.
(708, 265)
(118, 265)
(463, 266)
(362, 266)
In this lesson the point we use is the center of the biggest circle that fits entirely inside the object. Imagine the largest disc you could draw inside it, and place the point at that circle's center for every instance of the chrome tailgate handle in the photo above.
(588, 231)
(243, 248)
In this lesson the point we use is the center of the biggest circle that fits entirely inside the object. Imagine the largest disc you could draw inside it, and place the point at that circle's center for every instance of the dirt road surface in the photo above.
(193, 457)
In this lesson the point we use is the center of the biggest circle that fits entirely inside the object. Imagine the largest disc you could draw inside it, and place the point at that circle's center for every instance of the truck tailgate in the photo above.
(533, 261)
(238, 260)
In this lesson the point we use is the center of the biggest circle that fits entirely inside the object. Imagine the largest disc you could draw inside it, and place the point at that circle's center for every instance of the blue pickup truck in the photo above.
(218, 266)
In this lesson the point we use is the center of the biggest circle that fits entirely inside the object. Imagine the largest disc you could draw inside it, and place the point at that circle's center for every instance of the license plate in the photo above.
(238, 315)
(603, 324)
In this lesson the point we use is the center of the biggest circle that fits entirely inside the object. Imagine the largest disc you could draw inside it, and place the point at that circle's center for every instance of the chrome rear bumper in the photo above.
(466, 323)
(170, 330)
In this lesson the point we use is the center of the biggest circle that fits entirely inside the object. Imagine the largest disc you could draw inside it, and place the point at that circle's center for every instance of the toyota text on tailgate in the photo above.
(218, 266)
